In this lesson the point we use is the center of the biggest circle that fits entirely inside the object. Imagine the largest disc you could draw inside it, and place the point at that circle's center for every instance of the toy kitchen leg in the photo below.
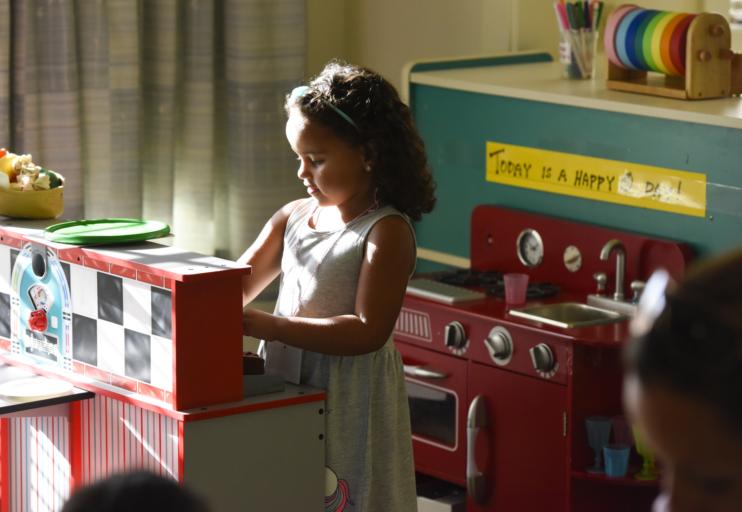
(37, 456)
(36, 451)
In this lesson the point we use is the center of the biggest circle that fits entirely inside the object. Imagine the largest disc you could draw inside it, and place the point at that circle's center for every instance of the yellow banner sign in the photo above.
(599, 179)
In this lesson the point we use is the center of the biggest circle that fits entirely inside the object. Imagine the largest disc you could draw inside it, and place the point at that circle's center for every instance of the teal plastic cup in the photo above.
(616, 460)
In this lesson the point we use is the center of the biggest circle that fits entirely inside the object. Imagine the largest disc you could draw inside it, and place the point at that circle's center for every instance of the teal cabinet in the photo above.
(521, 100)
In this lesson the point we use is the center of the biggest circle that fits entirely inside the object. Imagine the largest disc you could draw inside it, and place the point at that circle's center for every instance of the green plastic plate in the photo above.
(106, 231)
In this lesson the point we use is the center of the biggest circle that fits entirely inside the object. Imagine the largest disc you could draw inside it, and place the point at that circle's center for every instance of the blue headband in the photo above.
(302, 90)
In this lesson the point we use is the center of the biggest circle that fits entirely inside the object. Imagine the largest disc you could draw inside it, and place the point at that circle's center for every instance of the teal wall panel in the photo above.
(455, 126)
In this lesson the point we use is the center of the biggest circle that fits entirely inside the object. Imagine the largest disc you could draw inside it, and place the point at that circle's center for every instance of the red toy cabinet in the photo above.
(151, 338)
(521, 441)
(498, 402)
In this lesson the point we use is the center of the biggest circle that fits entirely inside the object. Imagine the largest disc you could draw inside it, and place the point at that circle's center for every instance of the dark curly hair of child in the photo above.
(683, 383)
(695, 345)
(379, 122)
(140, 491)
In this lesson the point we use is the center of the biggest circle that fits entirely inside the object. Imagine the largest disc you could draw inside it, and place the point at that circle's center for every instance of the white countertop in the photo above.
(12, 374)
(176, 262)
(542, 82)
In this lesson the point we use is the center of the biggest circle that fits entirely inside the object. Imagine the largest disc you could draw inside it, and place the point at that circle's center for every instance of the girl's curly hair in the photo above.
(381, 124)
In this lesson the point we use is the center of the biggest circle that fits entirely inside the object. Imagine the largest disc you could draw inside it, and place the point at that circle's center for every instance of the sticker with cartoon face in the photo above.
(40, 297)
(626, 184)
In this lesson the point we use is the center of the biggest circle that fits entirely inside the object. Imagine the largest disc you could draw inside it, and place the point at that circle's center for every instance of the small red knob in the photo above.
(37, 321)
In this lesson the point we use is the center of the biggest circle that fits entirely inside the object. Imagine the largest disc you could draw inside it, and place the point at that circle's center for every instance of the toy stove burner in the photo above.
(534, 290)
(465, 277)
(492, 283)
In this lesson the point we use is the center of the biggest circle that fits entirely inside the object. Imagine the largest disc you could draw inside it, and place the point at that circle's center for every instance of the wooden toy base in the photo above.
(712, 70)
(627, 80)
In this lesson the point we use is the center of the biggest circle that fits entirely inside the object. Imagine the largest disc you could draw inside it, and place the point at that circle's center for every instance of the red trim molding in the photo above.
(4, 465)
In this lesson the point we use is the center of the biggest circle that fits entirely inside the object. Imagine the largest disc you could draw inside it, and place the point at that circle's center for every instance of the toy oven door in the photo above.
(436, 391)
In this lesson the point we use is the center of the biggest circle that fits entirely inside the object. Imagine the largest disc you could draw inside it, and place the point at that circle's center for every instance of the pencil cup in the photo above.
(570, 69)
(577, 49)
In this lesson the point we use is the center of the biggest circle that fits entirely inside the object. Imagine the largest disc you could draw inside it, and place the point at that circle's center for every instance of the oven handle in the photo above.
(421, 371)
(476, 481)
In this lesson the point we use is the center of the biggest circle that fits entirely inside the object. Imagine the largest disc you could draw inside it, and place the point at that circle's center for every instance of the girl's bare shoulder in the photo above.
(282, 214)
(392, 225)
(392, 234)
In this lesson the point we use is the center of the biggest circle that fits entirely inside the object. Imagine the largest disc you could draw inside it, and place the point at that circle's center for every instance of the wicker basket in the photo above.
(32, 204)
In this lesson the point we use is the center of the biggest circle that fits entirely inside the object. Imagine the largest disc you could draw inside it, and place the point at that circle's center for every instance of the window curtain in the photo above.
(160, 109)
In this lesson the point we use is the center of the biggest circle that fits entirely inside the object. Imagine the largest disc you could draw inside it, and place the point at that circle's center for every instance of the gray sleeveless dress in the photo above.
(369, 463)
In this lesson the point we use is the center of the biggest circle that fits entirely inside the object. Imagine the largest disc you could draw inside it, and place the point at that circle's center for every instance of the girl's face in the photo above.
(333, 171)
(700, 457)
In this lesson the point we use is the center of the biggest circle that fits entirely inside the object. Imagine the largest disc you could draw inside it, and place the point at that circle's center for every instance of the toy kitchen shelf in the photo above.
(150, 336)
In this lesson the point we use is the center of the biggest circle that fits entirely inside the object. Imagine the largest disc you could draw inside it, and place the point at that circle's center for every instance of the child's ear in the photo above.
(367, 158)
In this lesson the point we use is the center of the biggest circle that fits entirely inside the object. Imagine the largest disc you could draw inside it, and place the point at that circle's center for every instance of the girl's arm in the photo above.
(264, 255)
(388, 261)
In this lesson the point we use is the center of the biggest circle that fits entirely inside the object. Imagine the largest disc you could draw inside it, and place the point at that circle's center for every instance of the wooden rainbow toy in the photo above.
(692, 51)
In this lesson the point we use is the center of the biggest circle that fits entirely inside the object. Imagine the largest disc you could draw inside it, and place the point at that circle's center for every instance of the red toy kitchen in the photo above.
(498, 396)
(587, 191)
(142, 344)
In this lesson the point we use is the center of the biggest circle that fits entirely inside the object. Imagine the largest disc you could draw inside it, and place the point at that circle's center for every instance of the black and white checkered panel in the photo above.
(122, 326)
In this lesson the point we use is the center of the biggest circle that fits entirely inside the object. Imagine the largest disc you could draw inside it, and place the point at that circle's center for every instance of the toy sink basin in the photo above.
(568, 314)
(32, 204)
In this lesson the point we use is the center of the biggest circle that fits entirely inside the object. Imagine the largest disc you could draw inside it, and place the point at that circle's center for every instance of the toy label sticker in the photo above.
(40, 297)
(599, 179)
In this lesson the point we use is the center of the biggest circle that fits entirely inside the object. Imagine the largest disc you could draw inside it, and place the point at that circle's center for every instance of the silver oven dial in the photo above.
(500, 345)
(543, 359)
(454, 336)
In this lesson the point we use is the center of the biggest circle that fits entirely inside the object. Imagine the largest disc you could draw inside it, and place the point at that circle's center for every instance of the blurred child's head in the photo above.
(137, 491)
(683, 387)
(364, 110)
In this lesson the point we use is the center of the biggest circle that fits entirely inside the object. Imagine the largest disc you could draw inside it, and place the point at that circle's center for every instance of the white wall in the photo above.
(327, 34)
(393, 32)
(384, 34)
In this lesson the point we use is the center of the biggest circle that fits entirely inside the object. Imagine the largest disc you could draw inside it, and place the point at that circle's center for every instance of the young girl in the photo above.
(683, 387)
(344, 255)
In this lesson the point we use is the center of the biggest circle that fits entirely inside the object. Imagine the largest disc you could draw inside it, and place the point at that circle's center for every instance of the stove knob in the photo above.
(542, 358)
(500, 345)
(455, 336)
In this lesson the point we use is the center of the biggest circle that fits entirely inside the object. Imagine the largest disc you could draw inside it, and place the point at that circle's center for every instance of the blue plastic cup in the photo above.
(598, 436)
(616, 460)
